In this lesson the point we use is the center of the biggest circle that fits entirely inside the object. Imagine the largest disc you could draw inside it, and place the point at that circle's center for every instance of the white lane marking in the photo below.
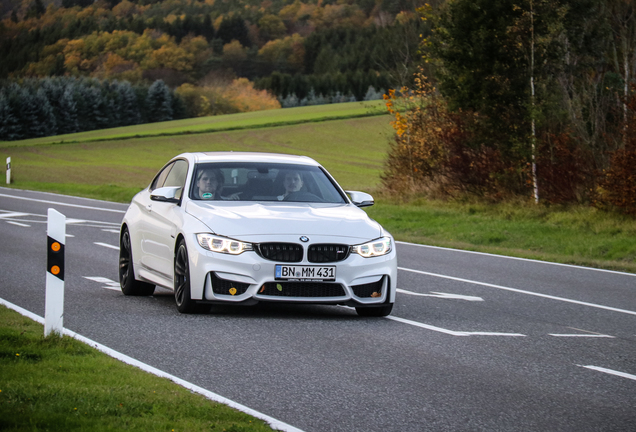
(108, 283)
(18, 224)
(12, 215)
(441, 295)
(582, 335)
(450, 332)
(517, 258)
(106, 245)
(63, 204)
(274, 423)
(111, 231)
(75, 221)
(520, 291)
(609, 371)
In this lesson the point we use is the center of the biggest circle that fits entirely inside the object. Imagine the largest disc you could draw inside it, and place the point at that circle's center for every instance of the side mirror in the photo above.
(169, 194)
(360, 199)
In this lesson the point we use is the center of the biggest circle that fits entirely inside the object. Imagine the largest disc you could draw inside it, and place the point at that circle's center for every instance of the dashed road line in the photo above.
(582, 335)
(609, 371)
(18, 224)
(106, 245)
(108, 283)
(450, 332)
(11, 215)
(441, 295)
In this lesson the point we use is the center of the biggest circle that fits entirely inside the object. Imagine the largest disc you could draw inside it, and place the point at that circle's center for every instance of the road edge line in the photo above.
(574, 266)
(274, 423)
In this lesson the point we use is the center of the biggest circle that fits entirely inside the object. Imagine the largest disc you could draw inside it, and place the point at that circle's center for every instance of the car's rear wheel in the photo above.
(182, 298)
(375, 311)
(129, 285)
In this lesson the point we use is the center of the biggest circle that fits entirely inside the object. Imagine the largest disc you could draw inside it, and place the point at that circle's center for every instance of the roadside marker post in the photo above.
(8, 170)
(54, 302)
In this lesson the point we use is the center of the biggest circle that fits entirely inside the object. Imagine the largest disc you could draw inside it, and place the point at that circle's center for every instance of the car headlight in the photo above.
(222, 244)
(379, 247)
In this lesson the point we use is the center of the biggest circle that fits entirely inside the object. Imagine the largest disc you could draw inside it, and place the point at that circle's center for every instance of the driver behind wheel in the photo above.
(209, 186)
(293, 183)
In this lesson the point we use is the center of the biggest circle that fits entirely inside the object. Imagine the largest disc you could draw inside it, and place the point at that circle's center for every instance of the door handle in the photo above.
(149, 207)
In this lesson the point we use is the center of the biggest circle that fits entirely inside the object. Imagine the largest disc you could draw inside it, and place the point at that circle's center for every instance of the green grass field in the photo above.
(352, 146)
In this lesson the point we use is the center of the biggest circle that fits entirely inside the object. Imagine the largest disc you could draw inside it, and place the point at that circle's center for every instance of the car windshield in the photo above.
(249, 181)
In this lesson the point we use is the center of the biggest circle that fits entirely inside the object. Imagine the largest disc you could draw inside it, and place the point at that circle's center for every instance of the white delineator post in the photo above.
(8, 170)
(54, 302)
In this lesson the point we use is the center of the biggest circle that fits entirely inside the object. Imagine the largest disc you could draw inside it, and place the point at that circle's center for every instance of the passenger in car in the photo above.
(293, 183)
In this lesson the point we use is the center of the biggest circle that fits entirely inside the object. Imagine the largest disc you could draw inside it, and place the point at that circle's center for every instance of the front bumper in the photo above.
(249, 278)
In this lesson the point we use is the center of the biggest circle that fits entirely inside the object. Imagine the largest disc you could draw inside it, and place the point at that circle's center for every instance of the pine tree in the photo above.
(234, 28)
(9, 126)
(159, 102)
(93, 108)
(13, 127)
(45, 114)
(68, 122)
(28, 115)
(130, 114)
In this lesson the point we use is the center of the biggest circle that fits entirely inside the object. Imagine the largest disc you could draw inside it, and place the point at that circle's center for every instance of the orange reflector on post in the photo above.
(55, 258)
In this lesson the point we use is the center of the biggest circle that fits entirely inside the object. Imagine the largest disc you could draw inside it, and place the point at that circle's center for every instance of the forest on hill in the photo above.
(215, 56)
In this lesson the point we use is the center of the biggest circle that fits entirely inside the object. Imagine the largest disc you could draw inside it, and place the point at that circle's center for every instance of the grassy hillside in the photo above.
(97, 164)
(227, 122)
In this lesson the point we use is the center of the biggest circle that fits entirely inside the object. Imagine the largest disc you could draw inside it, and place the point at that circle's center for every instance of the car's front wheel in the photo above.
(129, 285)
(182, 298)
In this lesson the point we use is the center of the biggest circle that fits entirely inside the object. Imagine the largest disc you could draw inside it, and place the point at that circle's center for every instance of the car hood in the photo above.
(241, 220)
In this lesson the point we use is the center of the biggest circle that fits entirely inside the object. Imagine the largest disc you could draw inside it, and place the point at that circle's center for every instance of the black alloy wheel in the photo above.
(182, 298)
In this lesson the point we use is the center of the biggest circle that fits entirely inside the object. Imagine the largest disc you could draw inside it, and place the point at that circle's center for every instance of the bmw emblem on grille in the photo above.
(304, 239)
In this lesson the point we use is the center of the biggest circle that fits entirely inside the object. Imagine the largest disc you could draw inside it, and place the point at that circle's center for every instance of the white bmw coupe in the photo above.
(242, 228)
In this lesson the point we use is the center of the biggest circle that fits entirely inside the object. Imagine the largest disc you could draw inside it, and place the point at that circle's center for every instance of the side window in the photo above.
(177, 176)
(161, 177)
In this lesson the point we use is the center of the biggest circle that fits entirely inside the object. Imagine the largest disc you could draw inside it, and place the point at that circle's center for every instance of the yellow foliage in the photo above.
(238, 96)
(289, 50)
(169, 57)
(125, 9)
(242, 94)
(234, 51)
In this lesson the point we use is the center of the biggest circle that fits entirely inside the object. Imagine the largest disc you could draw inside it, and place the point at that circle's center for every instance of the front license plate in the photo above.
(305, 273)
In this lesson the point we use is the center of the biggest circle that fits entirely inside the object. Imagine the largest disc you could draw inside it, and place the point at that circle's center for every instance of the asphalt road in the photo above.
(475, 342)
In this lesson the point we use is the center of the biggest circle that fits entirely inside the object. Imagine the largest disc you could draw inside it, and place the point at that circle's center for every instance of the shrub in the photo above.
(434, 150)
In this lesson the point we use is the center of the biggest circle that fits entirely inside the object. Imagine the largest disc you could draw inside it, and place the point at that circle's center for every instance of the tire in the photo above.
(129, 285)
(182, 298)
(375, 311)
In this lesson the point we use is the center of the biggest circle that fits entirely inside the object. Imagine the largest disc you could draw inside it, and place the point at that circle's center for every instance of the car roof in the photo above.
(203, 157)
